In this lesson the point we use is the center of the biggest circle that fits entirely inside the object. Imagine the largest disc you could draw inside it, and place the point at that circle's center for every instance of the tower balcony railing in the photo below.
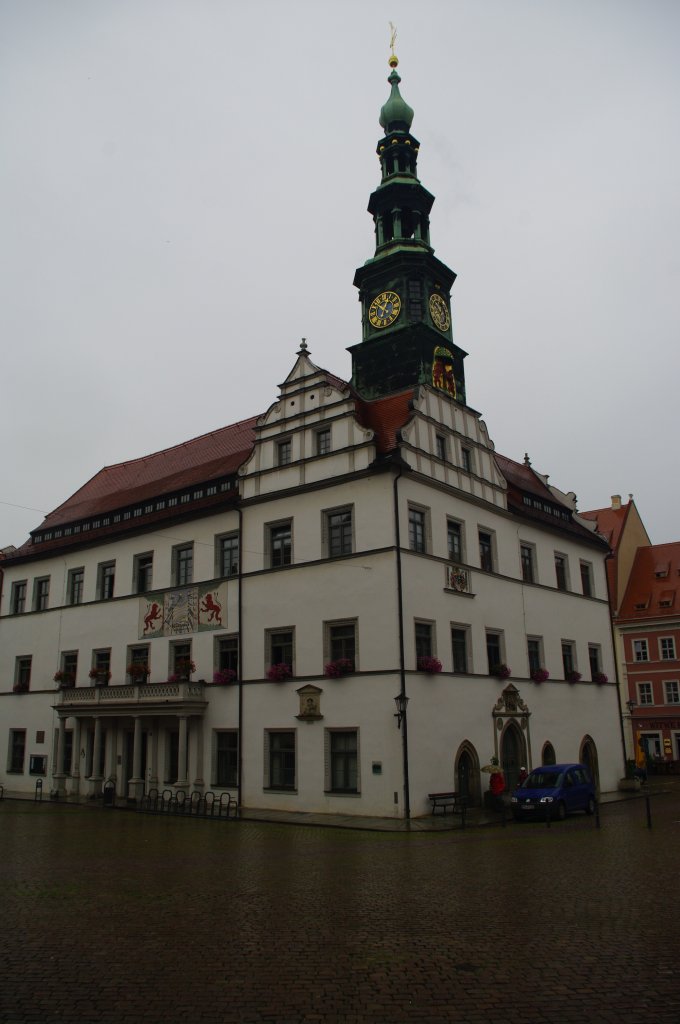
(136, 693)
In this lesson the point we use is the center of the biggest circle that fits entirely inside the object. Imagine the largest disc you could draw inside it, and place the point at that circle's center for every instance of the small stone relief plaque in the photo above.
(310, 703)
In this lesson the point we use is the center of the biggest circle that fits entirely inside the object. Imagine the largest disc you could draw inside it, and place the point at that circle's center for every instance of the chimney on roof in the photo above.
(616, 501)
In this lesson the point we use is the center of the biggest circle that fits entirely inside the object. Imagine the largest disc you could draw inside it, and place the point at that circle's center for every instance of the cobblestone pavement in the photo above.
(119, 917)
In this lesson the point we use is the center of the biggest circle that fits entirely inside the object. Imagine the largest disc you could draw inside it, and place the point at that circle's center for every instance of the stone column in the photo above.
(75, 766)
(95, 778)
(182, 780)
(60, 774)
(136, 783)
(198, 737)
(152, 755)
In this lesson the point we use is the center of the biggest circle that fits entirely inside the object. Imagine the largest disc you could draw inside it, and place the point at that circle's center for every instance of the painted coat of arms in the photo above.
(182, 611)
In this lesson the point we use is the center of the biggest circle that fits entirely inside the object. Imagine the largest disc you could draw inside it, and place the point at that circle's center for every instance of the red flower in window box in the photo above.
(429, 664)
(501, 671)
(573, 676)
(101, 676)
(138, 670)
(600, 678)
(224, 676)
(539, 675)
(280, 672)
(336, 669)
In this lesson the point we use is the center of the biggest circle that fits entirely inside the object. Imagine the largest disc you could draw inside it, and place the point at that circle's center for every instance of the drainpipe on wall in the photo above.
(240, 661)
(402, 670)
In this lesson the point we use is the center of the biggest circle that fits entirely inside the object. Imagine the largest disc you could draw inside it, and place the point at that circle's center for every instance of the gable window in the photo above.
(672, 691)
(568, 657)
(526, 554)
(22, 674)
(280, 759)
(225, 772)
(459, 647)
(645, 695)
(338, 530)
(18, 602)
(228, 555)
(454, 540)
(280, 544)
(183, 565)
(440, 445)
(143, 573)
(323, 441)
(667, 648)
(417, 529)
(342, 771)
(341, 641)
(466, 459)
(587, 579)
(41, 594)
(494, 650)
(424, 640)
(284, 452)
(280, 647)
(106, 574)
(227, 654)
(76, 580)
(17, 751)
(485, 551)
(640, 650)
(561, 572)
(534, 654)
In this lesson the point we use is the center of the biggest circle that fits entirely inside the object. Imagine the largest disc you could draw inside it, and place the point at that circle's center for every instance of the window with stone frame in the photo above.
(227, 554)
(180, 659)
(667, 648)
(225, 758)
(671, 689)
(183, 565)
(143, 572)
(323, 441)
(106, 575)
(527, 553)
(586, 579)
(494, 650)
(417, 529)
(338, 528)
(340, 641)
(342, 760)
(280, 544)
(280, 759)
(486, 555)
(226, 653)
(41, 594)
(280, 647)
(460, 647)
(18, 598)
(138, 663)
(424, 640)
(594, 659)
(16, 753)
(561, 572)
(454, 540)
(22, 673)
(568, 657)
(284, 452)
(645, 693)
(76, 583)
(640, 650)
(534, 653)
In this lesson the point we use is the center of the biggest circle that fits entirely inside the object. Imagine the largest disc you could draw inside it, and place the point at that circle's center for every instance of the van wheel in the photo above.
(590, 806)
(561, 811)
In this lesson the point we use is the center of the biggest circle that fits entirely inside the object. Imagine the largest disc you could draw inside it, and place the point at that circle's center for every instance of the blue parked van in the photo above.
(555, 790)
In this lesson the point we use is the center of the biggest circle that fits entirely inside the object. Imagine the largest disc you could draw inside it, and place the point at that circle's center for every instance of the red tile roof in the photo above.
(610, 522)
(653, 584)
(385, 417)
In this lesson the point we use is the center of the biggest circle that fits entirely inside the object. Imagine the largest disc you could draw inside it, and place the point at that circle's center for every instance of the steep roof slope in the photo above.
(653, 589)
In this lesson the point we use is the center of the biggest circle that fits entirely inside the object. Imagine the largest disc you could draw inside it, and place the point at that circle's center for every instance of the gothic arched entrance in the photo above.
(588, 757)
(467, 774)
(513, 754)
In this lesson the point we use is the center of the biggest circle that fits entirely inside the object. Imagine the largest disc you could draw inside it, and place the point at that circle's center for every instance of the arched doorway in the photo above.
(513, 754)
(548, 756)
(588, 757)
(467, 774)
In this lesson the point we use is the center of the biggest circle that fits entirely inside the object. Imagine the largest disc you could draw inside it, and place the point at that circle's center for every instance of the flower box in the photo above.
(138, 671)
(429, 664)
(336, 669)
(573, 676)
(279, 673)
(224, 676)
(501, 672)
(539, 675)
(600, 678)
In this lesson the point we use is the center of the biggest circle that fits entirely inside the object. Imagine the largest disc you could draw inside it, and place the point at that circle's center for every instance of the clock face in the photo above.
(439, 312)
(384, 309)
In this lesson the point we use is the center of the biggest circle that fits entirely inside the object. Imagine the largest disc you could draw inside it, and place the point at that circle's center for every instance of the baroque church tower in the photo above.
(404, 290)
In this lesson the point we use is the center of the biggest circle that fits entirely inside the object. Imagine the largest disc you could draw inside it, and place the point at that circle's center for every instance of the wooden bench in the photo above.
(445, 800)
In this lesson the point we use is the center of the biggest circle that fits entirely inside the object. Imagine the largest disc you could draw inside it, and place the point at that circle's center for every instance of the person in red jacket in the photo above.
(497, 785)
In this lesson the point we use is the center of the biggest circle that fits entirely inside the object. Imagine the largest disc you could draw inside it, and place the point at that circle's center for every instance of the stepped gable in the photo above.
(653, 589)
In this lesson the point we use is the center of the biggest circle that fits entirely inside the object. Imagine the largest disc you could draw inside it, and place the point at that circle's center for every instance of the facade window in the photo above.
(226, 758)
(459, 646)
(138, 658)
(672, 691)
(339, 532)
(568, 660)
(341, 641)
(645, 695)
(19, 597)
(106, 575)
(466, 459)
(534, 654)
(485, 551)
(667, 648)
(587, 579)
(280, 544)
(22, 674)
(284, 452)
(424, 640)
(228, 555)
(454, 539)
(280, 753)
(69, 667)
(417, 529)
(640, 650)
(280, 644)
(323, 441)
(76, 580)
(440, 443)
(526, 554)
(342, 760)
(183, 565)
(143, 573)
(494, 650)
(561, 572)
(101, 665)
(17, 751)
(227, 653)
(180, 659)
(41, 594)
(594, 659)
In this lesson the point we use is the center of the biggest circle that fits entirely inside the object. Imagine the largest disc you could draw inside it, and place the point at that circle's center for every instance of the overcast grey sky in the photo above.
(183, 193)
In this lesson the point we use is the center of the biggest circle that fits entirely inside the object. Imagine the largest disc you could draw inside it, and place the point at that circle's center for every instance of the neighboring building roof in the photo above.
(610, 522)
(653, 590)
